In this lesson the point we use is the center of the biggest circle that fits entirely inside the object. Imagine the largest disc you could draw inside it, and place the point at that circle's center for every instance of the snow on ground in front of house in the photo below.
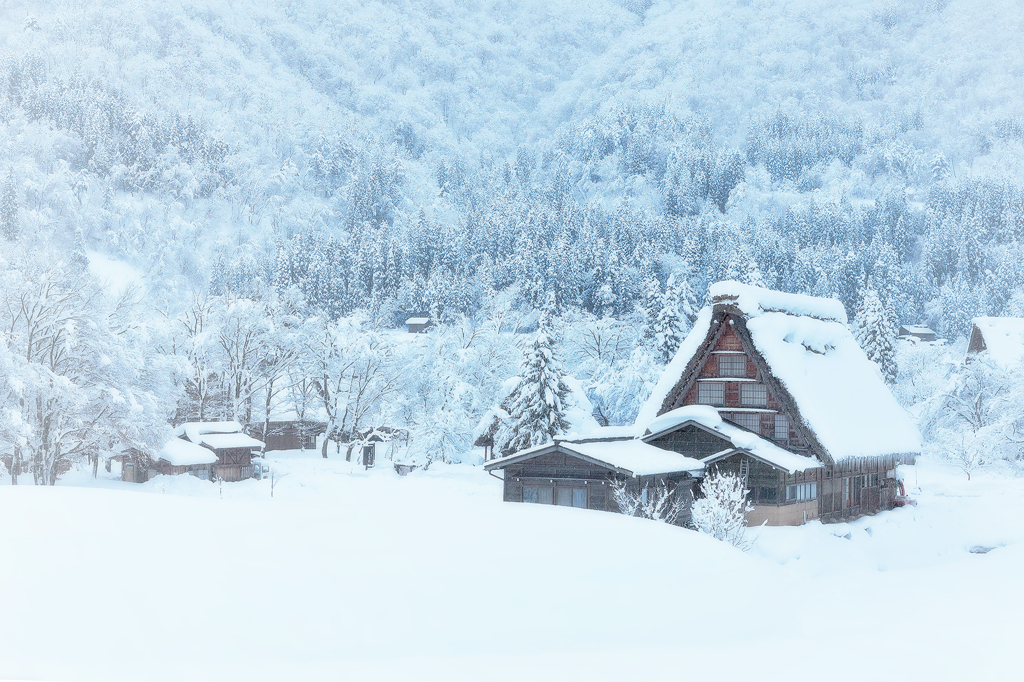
(354, 574)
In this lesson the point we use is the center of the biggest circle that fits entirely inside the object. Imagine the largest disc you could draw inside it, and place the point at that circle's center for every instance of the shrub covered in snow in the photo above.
(722, 511)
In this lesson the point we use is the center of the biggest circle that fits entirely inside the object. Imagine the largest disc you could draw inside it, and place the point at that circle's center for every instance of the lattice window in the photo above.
(748, 420)
(753, 395)
(782, 428)
(711, 393)
(732, 365)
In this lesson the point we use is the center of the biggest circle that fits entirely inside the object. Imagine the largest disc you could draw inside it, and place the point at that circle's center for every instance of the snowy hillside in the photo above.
(444, 581)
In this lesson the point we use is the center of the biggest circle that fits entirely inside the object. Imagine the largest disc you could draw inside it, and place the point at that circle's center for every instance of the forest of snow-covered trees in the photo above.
(294, 180)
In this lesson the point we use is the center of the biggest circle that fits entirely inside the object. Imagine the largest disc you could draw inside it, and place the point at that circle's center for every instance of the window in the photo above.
(308, 441)
(732, 365)
(753, 395)
(748, 420)
(711, 393)
(766, 493)
(782, 428)
(801, 491)
(572, 497)
(537, 494)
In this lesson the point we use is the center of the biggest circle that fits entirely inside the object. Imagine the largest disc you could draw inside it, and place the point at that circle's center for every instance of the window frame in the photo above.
(728, 358)
(761, 397)
(705, 386)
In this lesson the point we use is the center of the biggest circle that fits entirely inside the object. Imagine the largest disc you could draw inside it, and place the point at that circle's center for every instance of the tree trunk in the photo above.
(95, 465)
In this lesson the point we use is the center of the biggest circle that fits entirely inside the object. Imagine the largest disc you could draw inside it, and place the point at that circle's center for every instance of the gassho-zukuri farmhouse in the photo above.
(767, 385)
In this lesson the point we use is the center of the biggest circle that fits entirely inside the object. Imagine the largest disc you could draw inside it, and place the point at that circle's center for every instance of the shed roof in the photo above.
(218, 435)
(180, 452)
(418, 320)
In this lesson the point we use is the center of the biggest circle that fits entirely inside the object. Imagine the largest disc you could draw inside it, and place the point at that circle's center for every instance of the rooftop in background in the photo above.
(1000, 338)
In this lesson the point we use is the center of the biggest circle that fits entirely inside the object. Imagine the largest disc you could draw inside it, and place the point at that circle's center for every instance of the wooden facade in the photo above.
(290, 435)
(558, 476)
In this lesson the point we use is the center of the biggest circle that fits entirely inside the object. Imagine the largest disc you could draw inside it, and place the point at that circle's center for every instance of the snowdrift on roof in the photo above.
(838, 391)
(755, 300)
(179, 452)
(1004, 339)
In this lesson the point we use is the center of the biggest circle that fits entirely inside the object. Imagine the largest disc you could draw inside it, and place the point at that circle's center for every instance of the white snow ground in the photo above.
(347, 574)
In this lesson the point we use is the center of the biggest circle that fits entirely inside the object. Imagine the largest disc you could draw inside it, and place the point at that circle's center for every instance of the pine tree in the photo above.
(873, 332)
(537, 405)
(670, 326)
(9, 223)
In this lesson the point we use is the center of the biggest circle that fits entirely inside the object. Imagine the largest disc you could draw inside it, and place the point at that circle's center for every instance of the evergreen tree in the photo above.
(537, 405)
(670, 326)
(874, 333)
(9, 223)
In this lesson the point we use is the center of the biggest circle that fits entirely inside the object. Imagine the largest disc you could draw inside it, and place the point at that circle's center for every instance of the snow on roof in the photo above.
(917, 329)
(217, 434)
(418, 320)
(740, 438)
(674, 370)
(1003, 337)
(220, 441)
(635, 456)
(755, 300)
(179, 452)
(809, 349)
(631, 455)
(839, 392)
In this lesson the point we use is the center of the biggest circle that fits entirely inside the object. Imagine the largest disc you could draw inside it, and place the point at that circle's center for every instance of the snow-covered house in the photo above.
(232, 449)
(774, 387)
(1000, 339)
(580, 472)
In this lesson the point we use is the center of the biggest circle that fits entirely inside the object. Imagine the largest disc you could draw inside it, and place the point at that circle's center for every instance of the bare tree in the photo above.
(721, 511)
(655, 501)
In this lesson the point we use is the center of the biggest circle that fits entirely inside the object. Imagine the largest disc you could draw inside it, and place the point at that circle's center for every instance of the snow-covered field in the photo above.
(348, 574)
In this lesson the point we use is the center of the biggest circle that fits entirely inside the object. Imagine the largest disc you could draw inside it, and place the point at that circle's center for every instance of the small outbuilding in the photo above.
(916, 331)
(418, 325)
(232, 447)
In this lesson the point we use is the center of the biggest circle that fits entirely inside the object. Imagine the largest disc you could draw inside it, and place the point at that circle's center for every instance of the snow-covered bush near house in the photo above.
(721, 509)
(654, 501)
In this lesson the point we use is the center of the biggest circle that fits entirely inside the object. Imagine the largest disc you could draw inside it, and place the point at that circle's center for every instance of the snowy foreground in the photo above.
(347, 574)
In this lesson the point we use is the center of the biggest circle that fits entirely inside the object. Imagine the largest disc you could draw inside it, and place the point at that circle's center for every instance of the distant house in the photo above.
(1001, 339)
(207, 450)
(290, 434)
(418, 325)
(919, 332)
(770, 386)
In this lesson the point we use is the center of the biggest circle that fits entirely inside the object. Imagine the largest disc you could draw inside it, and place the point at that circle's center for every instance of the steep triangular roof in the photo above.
(1001, 338)
(810, 361)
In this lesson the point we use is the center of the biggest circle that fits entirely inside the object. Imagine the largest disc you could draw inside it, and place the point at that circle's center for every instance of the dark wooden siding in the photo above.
(692, 441)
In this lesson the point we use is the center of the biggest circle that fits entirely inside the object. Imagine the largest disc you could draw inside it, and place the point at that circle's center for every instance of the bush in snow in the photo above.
(722, 511)
(654, 502)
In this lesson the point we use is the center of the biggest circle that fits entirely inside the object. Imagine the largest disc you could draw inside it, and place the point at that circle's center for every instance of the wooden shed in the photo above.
(290, 434)
(418, 325)
(917, 331)
(232, 447)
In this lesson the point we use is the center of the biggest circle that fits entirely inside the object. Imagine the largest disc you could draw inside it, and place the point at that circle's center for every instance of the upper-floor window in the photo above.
(711, 393)
(753, 395)
(781, 428)
(748, 420)
(732, 365)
